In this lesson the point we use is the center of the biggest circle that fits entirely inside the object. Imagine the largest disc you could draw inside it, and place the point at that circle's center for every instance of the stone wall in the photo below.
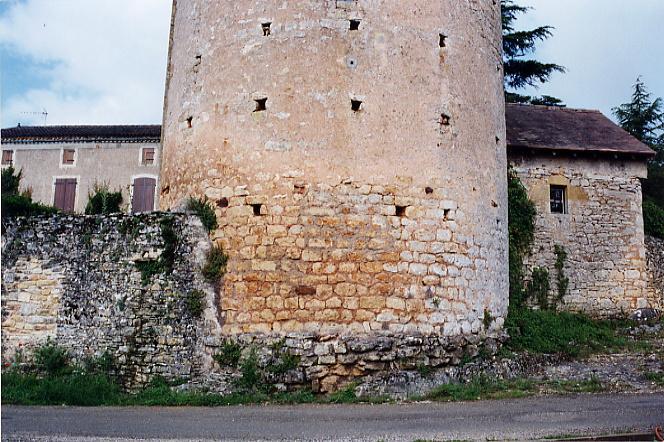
(78, 280)
(602, 231)
(655, 259)
(75, 280)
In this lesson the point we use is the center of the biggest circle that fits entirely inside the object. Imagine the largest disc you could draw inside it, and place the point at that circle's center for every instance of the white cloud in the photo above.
(107, 59)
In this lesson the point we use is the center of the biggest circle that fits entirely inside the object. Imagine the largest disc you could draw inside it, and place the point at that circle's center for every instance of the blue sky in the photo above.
(104, 61)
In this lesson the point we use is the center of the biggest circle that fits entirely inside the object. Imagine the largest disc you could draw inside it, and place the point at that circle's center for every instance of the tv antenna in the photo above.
(43, 113)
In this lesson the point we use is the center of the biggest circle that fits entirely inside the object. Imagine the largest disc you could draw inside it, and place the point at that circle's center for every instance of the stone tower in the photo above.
(354, 152)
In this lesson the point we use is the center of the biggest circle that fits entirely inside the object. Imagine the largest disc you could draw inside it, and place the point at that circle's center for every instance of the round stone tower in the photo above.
(354, 153)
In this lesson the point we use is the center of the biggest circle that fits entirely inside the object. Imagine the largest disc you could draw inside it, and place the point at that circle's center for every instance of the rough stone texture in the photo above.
(602, 232)
(655, 260)
(75, 280)
(387, 219)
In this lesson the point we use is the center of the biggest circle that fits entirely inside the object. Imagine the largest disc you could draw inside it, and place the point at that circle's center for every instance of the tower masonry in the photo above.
(355, 155)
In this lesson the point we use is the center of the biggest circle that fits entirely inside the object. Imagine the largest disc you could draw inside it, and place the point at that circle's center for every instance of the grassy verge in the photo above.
(99, 390)
(574, 335)
(483, 388)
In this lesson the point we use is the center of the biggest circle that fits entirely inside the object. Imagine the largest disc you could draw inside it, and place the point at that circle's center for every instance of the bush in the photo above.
(653, 218)
(203, 208)
(196, 303)
(215, 265)
(51, 359)
(102, 201)
(229, 354)
(252, 376)
(15, 204)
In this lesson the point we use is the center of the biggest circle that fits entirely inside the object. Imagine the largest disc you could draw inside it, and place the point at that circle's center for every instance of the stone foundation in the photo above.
(655, 260)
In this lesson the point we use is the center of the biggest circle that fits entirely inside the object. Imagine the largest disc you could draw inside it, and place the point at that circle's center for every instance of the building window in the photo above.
(147, 156)
(65, 194)
(7, 157)
(68, 157)
(558, 199)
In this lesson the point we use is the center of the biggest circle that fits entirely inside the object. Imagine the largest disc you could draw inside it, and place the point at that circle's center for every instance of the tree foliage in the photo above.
(643, 117)
(520, 69)
(15, 203)
(102, 201)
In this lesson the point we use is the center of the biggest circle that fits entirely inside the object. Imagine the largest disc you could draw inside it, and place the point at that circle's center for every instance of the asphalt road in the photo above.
(513, 419)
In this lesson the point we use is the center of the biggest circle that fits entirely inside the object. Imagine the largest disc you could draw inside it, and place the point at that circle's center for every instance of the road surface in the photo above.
(510, 419)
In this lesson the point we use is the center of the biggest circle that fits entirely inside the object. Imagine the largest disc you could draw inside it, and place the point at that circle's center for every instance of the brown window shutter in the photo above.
(70, 195)
(59, 198)
(7, 157)
(68, 156)
(143, 198)
(148, 155)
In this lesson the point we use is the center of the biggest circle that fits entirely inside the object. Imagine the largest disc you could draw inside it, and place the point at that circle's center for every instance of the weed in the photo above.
(50, 358)
(488, 319)
(482, 387)
(561, 280)
(229, 354)
(203, 208)
(425, 370)
(655, 377)
(215, 265)
(166, 260)
(252, 378)
(538, 287)
(196, 303)
(344, 396)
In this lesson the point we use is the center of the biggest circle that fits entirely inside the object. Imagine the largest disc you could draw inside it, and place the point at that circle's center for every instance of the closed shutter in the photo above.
(65, 194)
(143, 197)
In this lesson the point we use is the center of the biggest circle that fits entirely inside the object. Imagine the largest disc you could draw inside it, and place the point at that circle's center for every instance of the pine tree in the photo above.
(643, 117)
(521, 71)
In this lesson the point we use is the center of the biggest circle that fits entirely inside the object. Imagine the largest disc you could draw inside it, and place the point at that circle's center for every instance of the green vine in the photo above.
(538, 287)
(521, 233)
(167, 259)
(561, 280)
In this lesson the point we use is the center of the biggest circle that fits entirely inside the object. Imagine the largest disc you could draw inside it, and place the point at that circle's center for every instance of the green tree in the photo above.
(521, 70)
(643, 117)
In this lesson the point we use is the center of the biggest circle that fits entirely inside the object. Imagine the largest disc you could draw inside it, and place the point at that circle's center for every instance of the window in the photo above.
(7, 157)
(558, 195)
(147, 156)
(68, 156)
(65, 194)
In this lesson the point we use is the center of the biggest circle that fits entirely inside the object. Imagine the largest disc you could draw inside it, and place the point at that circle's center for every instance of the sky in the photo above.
(104, 61)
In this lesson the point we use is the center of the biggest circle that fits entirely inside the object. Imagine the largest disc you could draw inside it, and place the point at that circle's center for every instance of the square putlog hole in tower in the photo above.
(442, 40)
(267, 28)
(354, 24)
(261, 104)
(257, 209)
(401, 210)
(356, 105)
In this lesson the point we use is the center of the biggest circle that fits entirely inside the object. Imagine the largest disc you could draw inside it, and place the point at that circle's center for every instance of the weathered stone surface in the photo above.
(602, 231)
(330, 204)
(75, 279)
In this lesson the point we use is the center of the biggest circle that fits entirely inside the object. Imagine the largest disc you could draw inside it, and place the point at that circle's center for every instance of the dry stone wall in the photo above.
(655, 260)
(75, 280)
(602, 231)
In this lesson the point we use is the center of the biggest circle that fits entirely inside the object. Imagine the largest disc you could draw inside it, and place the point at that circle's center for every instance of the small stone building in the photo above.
(61, 164)
(583, 173)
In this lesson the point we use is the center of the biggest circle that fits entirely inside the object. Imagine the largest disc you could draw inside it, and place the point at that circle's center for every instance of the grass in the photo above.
(81, 389)
(655, 377)
(570, 334)
(483, 388)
